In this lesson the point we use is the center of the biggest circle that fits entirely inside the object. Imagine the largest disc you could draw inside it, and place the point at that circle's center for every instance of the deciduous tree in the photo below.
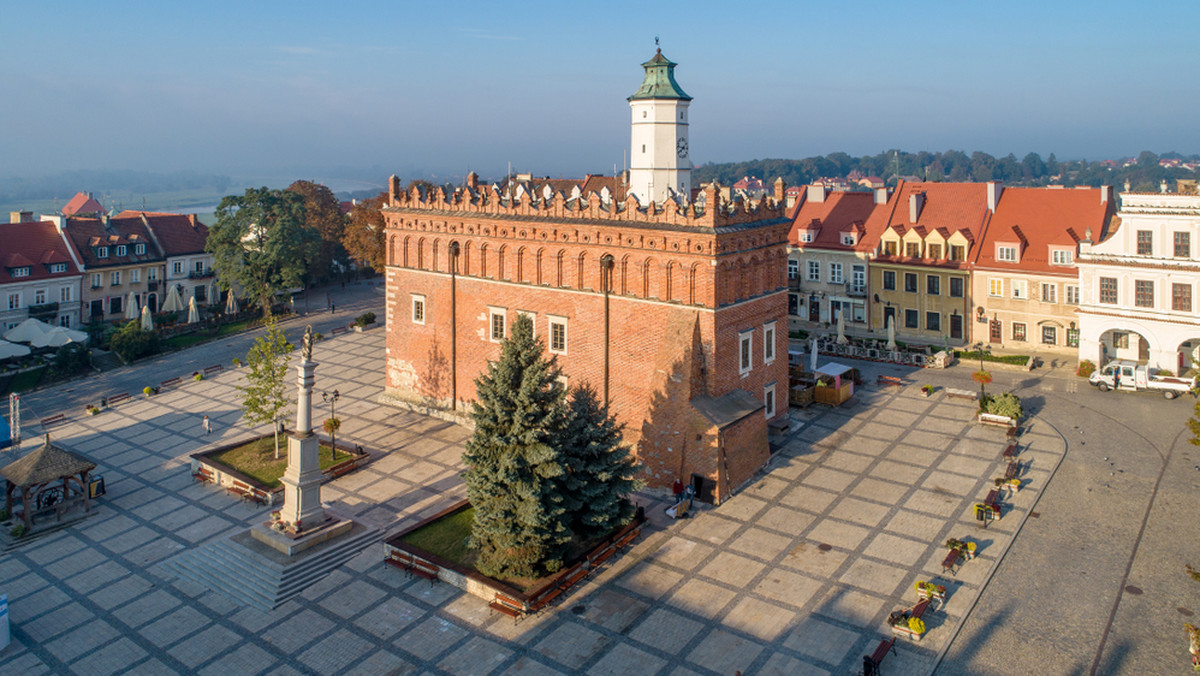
(264, 390)
(514, 462)
(364, 235)
(323, 213)
(260, 243)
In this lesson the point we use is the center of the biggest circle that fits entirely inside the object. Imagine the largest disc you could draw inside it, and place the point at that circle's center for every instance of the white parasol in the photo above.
(173, 303)
(27, 330)
(231, 304)
(9, 350)
(147, 319)
(131, 306)
(59, 336)
(891, 328)
(193, 313)
(841, 324)
(813, 364)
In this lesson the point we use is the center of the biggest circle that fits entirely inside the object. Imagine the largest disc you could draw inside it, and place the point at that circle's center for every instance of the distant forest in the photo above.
(64, 186)
(956, 166)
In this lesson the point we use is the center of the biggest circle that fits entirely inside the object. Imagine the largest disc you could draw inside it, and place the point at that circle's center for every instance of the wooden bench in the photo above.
(245, 492)
(117, 398)
(399, 562)
(581, 571)
(54, 420)
(872, 663)
(950, 562)
(993, 499)
(889, 380)
(969, 395)
(901, 624)
(170, 382)
(203, 475)
(602, 556)
(505, 609)
(1009, 451)
(342, 468)
(338, 330)
(209, 370)
(1013, 470)
(627, 538)
(1012, 432)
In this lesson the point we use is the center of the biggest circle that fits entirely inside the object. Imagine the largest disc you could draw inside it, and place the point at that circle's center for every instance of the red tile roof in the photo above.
(89, 233)
(948, 207)
(840, 212)
(34, 241)
(82, 203)
(1043, 218)
(176, 234)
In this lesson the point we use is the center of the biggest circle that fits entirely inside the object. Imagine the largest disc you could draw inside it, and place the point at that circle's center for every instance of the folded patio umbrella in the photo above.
(193, 313)
(147, 320)
(173, 303)
(131, 306)
(231, 304)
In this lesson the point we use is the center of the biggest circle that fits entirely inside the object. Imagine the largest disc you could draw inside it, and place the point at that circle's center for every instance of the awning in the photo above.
(833, 369)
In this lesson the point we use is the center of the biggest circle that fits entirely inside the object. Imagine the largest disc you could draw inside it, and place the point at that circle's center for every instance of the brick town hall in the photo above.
(671, 305)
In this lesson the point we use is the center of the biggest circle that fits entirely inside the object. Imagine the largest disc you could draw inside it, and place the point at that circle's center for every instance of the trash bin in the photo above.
(96, 486)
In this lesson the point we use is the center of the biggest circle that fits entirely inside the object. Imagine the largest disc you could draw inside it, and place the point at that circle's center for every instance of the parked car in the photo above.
(1132, 377)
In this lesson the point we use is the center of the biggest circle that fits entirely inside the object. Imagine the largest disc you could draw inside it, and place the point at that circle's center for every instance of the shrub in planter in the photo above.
(364, 319)
(1085, 369)
(237, 362)
(198, 377)
(147, 390)
(1006, 404)
(92, 410)
(927, 389)
(18, 530)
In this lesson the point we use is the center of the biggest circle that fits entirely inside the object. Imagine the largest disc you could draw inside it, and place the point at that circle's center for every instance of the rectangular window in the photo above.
(64, 321)
(1108, 290)
(1145, 243)
(418, 309)
(814, 271)
(1049, 293)
(793, 268)
(114, 278)
(1072, 337)
(64, 294)
(97, 280)
(102, 252)
(1183, 244)
(121, 250)
(859, 278)
(957, 253)
(1143, 293)
(1121, 340)
(1072, 294)
(933, 321)
(58, 267)
(912, 249)
(835, 273)
(1060, 257)
(889, 248)
(39, 297)
(769, 400)
(1181, 297)
(889, 280)
(496, 323)
(1020, 289)
(177, 268)
(199, 266)
(956, 287)
(910, 282)
(794, 304)
(1007, 254)
(200, 292)
(1049, 335)
(933, 285)
(1018, 331)
(746, 350)
(14, 301)
(768, 342)
(114, 305)
(152, 274)
(847, 239)
(935, 250)
(139, 249)
(558, 335)
(806, 237)
(135, 276)
(20, 272)
(912, 319)
(995, 287)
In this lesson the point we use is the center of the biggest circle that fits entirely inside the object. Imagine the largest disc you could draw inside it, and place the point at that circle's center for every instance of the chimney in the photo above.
(916, 202)
(473, 181)
(994, 191)
(780, 188)
(192, 220)
(1162, 187)
(20, 216)
(393, 189)
(1105, 194)
(881, 195)
(816, 193)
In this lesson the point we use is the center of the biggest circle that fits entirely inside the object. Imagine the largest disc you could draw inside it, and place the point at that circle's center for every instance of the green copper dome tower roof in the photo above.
(660, 81)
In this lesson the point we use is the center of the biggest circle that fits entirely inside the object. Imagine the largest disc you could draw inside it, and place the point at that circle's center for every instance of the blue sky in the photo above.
(314, 89)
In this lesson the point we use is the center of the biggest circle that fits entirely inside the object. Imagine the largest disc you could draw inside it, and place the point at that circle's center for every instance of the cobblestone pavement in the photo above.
(794, 575)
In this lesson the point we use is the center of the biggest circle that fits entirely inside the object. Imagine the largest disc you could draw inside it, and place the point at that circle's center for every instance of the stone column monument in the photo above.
(302, 509)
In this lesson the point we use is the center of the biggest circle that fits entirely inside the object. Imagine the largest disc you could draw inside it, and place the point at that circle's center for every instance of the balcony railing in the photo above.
(853, 289)
(43, 310)
(200, 274)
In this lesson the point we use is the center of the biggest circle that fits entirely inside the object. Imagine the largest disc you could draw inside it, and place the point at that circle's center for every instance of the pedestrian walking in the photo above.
(332, 308)
(207, 426)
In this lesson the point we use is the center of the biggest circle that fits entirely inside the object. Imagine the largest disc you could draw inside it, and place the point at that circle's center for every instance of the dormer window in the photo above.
(102, 252)
(139, 249)
(121, 250)
(807, 236)
(934, 250)
(1007, 254)
(1061, 257)
(58, 267)
(20, 272)
(847, 239)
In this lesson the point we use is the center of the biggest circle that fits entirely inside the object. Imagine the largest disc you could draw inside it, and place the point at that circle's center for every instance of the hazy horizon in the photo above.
(248, 90)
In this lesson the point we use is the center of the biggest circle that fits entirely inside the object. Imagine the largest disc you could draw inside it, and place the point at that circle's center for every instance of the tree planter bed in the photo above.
(204, 467)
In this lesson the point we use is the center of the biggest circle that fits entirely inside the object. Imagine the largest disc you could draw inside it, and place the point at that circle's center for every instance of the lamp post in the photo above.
(331, 399)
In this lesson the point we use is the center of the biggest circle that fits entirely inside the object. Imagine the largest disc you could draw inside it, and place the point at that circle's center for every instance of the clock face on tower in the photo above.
(681, 147)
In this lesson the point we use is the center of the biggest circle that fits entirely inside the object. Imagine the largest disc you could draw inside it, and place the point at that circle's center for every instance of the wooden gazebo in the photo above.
(49, 478)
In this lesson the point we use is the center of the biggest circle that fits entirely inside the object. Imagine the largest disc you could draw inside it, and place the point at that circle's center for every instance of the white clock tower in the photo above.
(659, 158)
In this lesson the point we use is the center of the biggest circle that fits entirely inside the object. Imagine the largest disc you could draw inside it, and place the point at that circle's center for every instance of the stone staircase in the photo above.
(252, 573)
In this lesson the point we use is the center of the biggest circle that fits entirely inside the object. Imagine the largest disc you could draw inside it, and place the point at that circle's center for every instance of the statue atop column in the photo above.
(306, 345)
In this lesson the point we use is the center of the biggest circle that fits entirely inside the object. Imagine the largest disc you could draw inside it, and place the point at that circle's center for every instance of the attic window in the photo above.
(847, 239)
(102, 252)
(1006, 253)
(806, 236)
(58, 267)
(121, 250)
(139, 249)
(21, 272)
(1060, 257)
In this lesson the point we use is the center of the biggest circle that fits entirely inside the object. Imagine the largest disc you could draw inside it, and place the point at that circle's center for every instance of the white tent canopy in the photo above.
(59, 336)
(27, 330)
(833, 369)
(9, 350)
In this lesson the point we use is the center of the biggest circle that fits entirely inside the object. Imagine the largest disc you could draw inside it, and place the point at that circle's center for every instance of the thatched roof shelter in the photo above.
(31, 477)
